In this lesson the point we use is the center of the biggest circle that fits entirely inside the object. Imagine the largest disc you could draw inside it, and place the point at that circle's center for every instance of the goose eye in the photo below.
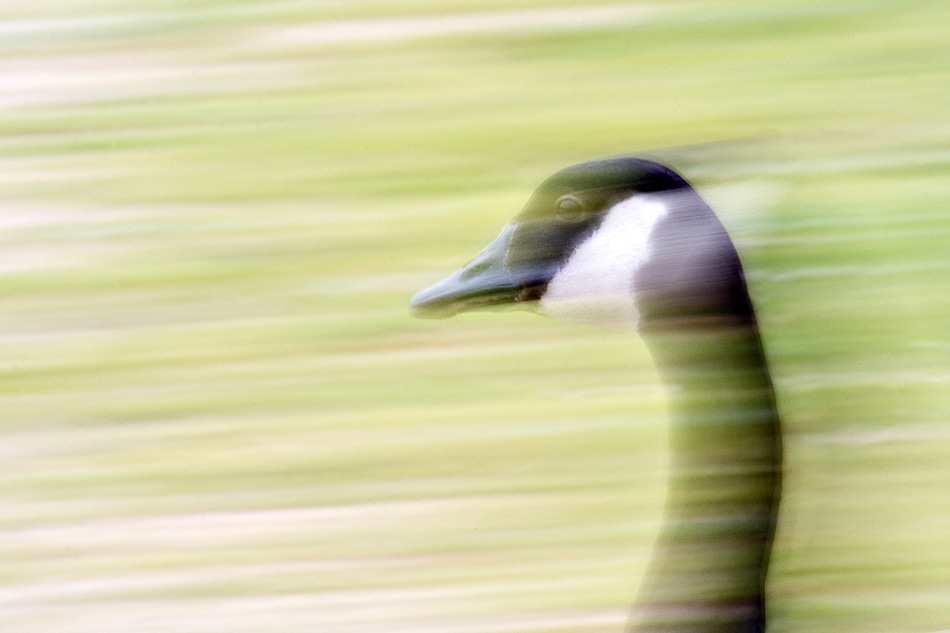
(569, 208)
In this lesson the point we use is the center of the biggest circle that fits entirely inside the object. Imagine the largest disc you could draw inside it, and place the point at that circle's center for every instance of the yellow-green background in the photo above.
(217, 416)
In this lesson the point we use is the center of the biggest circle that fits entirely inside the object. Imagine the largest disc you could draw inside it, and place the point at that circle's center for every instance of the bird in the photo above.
(626, 241)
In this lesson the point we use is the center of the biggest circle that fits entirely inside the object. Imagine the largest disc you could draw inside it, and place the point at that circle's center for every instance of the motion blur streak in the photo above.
(216, 415)
(375, 30)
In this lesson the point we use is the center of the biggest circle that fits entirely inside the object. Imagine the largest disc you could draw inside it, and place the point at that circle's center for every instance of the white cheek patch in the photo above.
(595, 285)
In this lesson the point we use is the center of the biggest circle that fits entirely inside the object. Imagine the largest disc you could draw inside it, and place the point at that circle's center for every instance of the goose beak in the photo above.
(484, 282)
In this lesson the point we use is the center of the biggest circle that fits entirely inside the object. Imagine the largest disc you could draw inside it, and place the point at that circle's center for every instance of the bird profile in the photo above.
(628, 242)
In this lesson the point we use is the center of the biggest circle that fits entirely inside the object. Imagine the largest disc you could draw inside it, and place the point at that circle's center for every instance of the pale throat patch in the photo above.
(595, 285)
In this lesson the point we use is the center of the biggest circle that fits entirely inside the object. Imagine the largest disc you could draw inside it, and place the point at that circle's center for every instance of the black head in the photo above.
(591, 238)
(561, 213)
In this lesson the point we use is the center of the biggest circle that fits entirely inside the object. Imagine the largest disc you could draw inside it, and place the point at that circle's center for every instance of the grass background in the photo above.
(216, 414)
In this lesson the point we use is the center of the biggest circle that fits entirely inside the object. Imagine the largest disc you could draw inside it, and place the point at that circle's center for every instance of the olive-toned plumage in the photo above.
(629, 242)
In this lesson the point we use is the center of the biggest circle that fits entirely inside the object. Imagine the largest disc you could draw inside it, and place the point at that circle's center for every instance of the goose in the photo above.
(628, 242)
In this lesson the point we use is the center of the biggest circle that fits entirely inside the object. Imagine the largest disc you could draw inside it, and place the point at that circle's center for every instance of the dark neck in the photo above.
(709, 569)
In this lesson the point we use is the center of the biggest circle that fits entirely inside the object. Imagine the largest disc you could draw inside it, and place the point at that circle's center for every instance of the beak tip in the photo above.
(483, 282)
(426, 306)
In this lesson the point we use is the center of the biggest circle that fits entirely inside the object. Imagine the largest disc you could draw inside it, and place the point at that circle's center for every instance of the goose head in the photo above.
(623, 242)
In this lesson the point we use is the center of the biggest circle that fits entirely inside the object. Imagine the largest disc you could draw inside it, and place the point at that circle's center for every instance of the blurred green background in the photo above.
(217, 415)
